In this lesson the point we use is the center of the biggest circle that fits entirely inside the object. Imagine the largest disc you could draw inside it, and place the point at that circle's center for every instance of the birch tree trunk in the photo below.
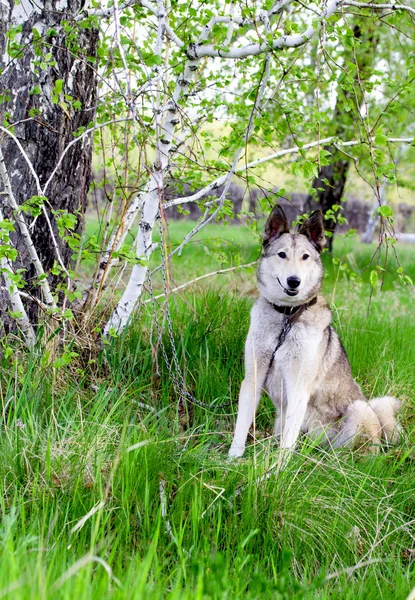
(47, 91)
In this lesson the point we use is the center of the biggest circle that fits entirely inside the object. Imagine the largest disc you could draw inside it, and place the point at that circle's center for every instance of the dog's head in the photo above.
(290, 271)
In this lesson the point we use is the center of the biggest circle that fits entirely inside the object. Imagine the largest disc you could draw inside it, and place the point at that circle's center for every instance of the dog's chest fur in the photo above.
(311, 351)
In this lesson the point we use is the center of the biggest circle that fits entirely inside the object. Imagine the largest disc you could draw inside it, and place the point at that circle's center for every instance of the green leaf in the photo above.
(59, 86)
(7, 225)
(374, 278)
(385, 211)
(65, 359)
(380, 138)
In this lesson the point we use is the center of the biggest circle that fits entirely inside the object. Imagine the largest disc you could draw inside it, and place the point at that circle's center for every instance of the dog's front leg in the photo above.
(249, 396)
(248, 403)
(297, 401)
(299, 374)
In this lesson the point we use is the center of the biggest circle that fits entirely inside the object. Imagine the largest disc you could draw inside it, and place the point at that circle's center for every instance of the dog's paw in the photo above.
(395, 436)
(236, 451)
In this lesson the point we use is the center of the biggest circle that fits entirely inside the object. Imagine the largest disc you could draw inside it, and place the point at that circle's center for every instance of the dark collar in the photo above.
(292, 310)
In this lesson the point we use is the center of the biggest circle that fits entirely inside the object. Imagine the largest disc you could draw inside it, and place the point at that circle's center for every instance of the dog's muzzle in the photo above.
(293, 283)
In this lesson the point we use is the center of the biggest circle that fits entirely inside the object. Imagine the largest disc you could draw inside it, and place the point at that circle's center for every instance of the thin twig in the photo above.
(196, 279)
(275, 155)
(349, 570)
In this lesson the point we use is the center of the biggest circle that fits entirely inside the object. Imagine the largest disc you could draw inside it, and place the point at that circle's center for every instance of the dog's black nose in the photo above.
(293, 282)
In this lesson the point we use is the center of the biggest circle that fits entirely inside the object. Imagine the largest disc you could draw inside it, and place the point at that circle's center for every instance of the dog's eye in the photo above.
(305, 256)
(282, 255)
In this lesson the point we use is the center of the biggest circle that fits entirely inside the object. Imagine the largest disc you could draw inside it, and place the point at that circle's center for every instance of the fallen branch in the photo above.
(349, 570)
(163, 505)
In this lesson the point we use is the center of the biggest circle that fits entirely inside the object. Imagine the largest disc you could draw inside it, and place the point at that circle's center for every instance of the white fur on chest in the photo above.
(300, 344)
(297, 357)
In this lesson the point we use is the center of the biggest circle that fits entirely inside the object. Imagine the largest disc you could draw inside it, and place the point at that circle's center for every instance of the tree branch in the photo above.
(109, 12)
(16, 303)
(40, 193)
(228, 179)
(153, 192)
(392, 6)
(200, 278)
(284, 41)
(44, 284)
(295, 150)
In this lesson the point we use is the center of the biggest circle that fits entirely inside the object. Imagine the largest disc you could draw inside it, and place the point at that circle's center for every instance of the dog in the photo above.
(293, 352)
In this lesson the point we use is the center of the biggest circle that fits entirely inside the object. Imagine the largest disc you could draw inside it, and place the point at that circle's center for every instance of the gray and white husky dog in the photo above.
(293, 352)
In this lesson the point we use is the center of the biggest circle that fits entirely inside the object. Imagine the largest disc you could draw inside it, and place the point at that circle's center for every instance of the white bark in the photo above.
(285, 41)
(241, 21)
(154, 189)
(17, 305)
(20, 220)
(373, 6)
(130, 101)
(16, 302)
(105, 13)
(156, 12)
(212, 186)
(152, 200)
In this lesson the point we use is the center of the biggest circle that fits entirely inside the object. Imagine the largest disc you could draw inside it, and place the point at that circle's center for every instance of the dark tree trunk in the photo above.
(45, 120)
(331, 180)
(329, 186)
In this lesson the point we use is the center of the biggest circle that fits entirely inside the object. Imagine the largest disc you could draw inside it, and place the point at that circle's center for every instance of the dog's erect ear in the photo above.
(275, 226)
(313, 228)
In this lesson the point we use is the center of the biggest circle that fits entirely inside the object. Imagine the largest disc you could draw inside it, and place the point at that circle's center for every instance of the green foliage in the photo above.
(91, 436)
(33, 206)
(65, 359)
(89, 440)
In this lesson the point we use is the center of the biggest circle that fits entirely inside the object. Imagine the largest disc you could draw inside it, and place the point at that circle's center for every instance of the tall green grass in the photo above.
(110, 491)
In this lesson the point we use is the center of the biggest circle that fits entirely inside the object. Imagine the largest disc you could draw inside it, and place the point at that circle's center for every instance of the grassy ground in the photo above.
(109, 493)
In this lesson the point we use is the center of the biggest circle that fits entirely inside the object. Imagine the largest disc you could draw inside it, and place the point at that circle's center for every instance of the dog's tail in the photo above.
(365, 424)
(360, 427)
(385, 409)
